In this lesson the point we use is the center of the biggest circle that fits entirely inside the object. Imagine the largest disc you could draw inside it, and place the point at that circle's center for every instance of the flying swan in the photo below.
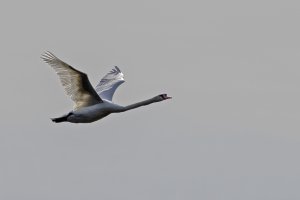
(91, 104)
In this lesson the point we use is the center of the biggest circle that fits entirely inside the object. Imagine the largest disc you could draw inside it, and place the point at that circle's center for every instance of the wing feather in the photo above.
(109, 83)
(75, 83)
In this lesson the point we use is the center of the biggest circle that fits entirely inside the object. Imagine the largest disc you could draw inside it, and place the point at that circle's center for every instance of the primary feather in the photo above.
(75, 83)
(109, 83)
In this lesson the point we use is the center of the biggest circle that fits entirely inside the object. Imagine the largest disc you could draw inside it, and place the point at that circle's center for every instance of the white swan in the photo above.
(91, 104)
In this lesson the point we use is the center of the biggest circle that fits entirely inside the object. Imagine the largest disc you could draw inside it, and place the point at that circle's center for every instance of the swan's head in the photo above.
(161, 97)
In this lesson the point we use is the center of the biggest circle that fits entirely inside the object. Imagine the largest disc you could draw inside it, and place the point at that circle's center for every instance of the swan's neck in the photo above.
(139, 104)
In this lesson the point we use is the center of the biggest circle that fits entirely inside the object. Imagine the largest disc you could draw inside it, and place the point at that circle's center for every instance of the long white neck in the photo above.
(139, 104)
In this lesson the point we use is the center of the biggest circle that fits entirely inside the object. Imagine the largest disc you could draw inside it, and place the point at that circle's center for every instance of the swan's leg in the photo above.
(62, 119)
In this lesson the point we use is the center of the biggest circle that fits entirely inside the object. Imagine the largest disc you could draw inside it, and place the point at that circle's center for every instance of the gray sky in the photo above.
(231, 132)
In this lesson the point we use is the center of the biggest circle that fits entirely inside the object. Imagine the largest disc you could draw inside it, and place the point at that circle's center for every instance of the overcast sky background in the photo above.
(231, 131)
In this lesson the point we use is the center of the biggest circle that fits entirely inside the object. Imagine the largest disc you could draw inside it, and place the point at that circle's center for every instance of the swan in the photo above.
(91, 104)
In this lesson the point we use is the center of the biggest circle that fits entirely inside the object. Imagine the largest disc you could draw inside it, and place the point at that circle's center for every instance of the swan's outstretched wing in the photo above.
(75, 83)
(109, 83)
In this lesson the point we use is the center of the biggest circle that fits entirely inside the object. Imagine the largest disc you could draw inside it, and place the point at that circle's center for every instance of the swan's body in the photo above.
(91, 104)
(93, 113)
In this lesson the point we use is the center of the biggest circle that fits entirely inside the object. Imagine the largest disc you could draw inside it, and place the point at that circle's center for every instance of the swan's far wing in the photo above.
(109, 83)
(75, 83)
